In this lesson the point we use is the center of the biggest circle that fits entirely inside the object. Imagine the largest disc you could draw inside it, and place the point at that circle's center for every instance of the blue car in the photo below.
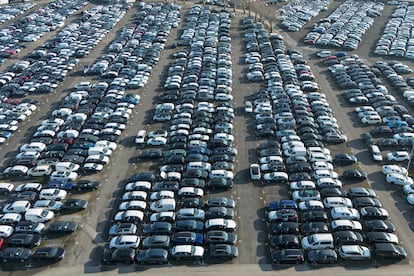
(188, 237)
(282, 204)
(130, 98)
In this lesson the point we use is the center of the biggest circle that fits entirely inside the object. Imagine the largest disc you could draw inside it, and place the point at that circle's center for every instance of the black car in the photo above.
(387, 143)
(283, 228)
(361, 192)
(323, 256)
(86, 185)
(220, 201)
(157, 228)
(150, 154)
(191, 202)
(62, 227)
(344, 159)
(332, 191)
(389, 251)
(354, 174)
(220, 237)
(50, 253)
(74, 204)
(219, 212)
(189, 225)
(284, 241)
(347, 237)
(192, 182)
(24, 240)
(359, 202)
(156, 241)
(314, 227)
(381, 237)
(314, 215)
(287, 256)
(15, 254)
(220, 183)
(143, 176)
(125, 255)
(381, 131)
(223, 251)
(377, 225)
(152, 256)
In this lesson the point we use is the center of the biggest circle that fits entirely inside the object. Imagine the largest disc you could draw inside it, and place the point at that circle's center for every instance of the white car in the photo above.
(92, 167)
(319, 174)
(227, 225)
(133, 205)
(53, 194)
(268, 159)
(125, 241)
(187, 252)
(320, 165)
(337, 201)
(345, 213)
(190, 192)
(157, 141)
(346, 224)
(255, 172)
(408, 189)
(6, 231)
(140, 137)
(105, 144)
(388, 169)
(328, 182)
(376, 153)
(65, 175)
(191, 213)
(354, 252)
(399, 179)
(410, 199)
(304, 195)
(310, 205)
(6, 188)
(161, 194)
(221, 174)
(48, 204)
(398, 156)
(138, 186)
(301, 185)
(323, 53)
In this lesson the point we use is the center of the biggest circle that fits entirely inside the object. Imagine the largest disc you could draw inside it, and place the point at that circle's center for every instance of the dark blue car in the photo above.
(188, 237)
(282, 204)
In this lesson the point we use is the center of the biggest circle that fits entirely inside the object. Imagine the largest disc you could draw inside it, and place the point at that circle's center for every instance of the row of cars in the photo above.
(82, 134)
(131, 56)
(8, 12)
(34, 25)
(328, 216)
(197, 154)
(284, 107)
(345, 26)
(397, 37)
(295, 14)
(23, 221)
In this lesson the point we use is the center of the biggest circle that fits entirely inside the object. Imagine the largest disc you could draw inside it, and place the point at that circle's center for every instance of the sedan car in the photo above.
(323, 256)
(226, 251)
(125, 255)
(49, 253)
(354, 252)
(74, 204)
(152, 256)
(381, 237)
(399, 179)
(287, 256)
(398, 156)
(373, 213)
(193, 252)
(15, 254)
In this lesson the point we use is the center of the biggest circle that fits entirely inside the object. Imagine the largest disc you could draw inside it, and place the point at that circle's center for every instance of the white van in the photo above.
(40, 170)
(163, 205)
(19, 206)
(318, 241)
(99, 151)
(38, 215)
(199, 165)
